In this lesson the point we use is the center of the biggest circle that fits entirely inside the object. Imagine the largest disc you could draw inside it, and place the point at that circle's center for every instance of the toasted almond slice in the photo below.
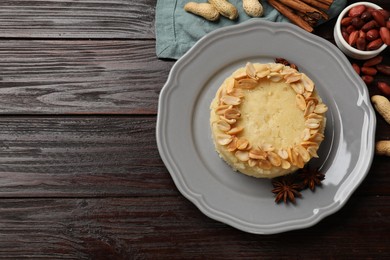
(231, 100)
(294, 77)
(241, 74)
(252, 162)
(320, 108)
(314, 99)
(307, 94)
(312, 123)
(230, 82)
(267, 147)
(223, 125)
(314, 131)
(232, 113)
(298, 87)
(316, 116)
(302, 152)
(263, 73)
(309, 108)
(265, 164)
(312, 151)
(274, 67)
(287, 71)
(306, 134)
(261, 67)
(307, 83)
(223, 139)
(274, 77)
(257, 154)
(274, 159)
(229, 121)
(233, 145)
(237, 92)
(242, 143)
(220, 110)
(283, 154)
(285, 164)
(309, 143)
(247, 83)
(297, 159)
(250, 70)
(242, 155)
(317, 137)
(290, 156)
(301, 102)
(235, 130)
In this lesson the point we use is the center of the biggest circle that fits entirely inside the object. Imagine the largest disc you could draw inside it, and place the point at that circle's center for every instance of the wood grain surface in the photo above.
(80, 173)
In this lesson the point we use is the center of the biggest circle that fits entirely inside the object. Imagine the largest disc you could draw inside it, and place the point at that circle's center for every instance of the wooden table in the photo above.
(80, 174)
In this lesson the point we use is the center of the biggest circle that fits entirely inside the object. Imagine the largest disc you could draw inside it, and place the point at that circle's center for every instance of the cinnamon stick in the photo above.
(308, 19)
(317, 4)
(289, 14)
(304, 8)
(327, 2)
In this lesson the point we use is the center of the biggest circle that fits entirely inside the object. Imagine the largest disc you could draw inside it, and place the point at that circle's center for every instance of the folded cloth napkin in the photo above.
(177, 31)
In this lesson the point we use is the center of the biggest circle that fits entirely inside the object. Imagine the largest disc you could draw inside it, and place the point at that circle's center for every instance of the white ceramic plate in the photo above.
(184, 136)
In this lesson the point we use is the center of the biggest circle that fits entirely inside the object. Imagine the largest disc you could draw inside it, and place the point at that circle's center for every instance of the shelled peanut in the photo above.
(365, 28)
(370, 68)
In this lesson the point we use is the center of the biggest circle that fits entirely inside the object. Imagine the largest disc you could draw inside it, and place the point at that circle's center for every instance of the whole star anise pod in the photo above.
(310, 178)
(285, 188)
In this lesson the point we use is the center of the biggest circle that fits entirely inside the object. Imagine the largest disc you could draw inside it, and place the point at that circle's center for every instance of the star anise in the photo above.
(286, 63)
(285, 188)
(310, 178)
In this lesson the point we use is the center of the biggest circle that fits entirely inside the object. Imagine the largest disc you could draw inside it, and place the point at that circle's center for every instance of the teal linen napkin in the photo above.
(177, 31)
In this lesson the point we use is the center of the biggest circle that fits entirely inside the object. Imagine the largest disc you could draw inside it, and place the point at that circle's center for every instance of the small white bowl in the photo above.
(344, 46)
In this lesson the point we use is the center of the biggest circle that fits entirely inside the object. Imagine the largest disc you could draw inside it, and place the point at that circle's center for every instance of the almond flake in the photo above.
(320, 109)
(262, 74)
(267, 147)
(224, 139)
(265, 164)
(298, 87)
(274, 159)
(232, 113)
(306, 134)
(307, 83)
(292, 78)
(231, 100)
(233, 145)
(257, 154)
(242, 144)
(283, 154)
(242, 155)
(301, 102)
(312, 123)
(230, 82)
(312, 151)
(274, 77)
(220, 110)
(250, 70)
(223, 125)
(274, 67)
(235, 130)
(252, 162)
(309, 108)
(285, 164)
(247, 83)
(302, 152)
(229, 121)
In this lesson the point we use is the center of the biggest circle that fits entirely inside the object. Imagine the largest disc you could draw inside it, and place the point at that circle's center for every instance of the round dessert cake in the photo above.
(267, 120)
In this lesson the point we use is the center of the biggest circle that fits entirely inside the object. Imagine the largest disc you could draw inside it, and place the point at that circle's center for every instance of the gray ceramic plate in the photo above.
(184, 136)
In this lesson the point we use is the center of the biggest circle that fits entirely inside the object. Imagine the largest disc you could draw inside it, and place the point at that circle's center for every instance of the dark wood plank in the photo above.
(172, 228)
(81, 156)
(77, 19)
(97, 157)
(57, 77)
